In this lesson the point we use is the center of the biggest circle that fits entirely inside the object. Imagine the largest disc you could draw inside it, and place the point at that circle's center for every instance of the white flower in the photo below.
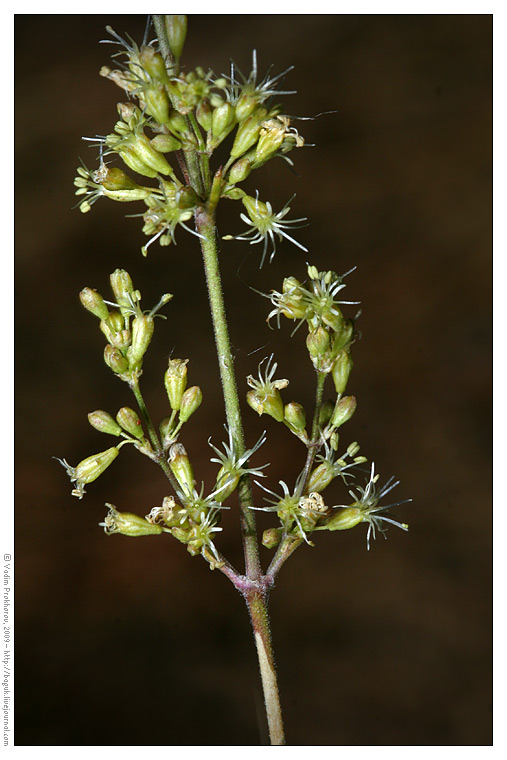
(367, 501)
(266, 225)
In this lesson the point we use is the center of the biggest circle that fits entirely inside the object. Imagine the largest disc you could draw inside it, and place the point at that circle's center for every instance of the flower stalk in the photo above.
(168, 139)
(256, 597)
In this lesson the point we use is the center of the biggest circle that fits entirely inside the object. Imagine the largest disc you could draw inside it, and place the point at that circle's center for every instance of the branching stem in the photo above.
(253, 586)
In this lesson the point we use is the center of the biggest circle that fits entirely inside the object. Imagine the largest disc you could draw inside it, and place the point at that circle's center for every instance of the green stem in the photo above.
(253, 585)
(160, 456)
(313, 447)
(205, 225)
(159, 24)
(258, 608)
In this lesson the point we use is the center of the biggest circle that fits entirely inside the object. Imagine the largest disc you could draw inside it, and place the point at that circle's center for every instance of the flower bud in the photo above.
(248, 133)
(149, 156)
(131, 158)
(226, 483)
(271, 137)
(190, 402)
(186, 198)
(175, 380)
(223, 121)
(321, 476)
(103, 422)
(344, 518)
(177, 123)
(346, 335)
(181, 467)
(142, 333)
(318, 342)
(341, 371)
(325, 412)
(343, 410)
(113, 179)
(90, 468)
(128, 524)
(165, 143)
(114, 359)
(130, 422)
(239, 171)
(176, 28)
(272, 537)
(295, 415)
(123, 290)
(271, 404)
(245, 106)
(94, 303)
(153, 63)
(157, 103)
(166, 428)
(204, 114)
(115, 332)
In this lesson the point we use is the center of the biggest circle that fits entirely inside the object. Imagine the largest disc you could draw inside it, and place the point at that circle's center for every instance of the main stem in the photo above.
(253, 586)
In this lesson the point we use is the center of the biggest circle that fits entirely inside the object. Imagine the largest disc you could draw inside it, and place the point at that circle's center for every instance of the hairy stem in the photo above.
(206, 227)
(252, 585)
(258, 608)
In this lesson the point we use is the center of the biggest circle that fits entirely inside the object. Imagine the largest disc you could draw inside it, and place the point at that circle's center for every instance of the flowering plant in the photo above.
(169, 129)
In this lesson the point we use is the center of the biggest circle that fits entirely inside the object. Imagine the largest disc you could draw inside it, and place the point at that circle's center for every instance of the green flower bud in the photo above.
(190, 402)
(239, 171)
(245, 105)
(341, 371)
(128, 524)
(318, 342)
(130, 422)
(115, 332)
(123, 290)
(127, 196)
(271, 404)
(157, 104)
(94, 303)
(166, 428)
(153, 63)
(320, 477)
(226, 483)
(248, 133)
(272, 537)
(103, 422)
(186, 198)
(346, 336)
(175, 380)
(204, 114)
(344, 518)
(90, 468)
(325, 412)
(177, 123)
(295, 415)
(114, 359)
(181, 467)
(333, 319)
(343, 410)
(131, 158)
(223, 121)
(149, 156)
(142, 333)
(271, 137)
(113, 178)
(165, 143)
(176, 28)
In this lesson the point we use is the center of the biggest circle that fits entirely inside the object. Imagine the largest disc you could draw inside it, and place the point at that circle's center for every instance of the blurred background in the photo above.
(133, 642)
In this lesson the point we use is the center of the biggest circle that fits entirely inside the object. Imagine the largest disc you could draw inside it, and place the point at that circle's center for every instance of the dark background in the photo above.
(135, 642)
